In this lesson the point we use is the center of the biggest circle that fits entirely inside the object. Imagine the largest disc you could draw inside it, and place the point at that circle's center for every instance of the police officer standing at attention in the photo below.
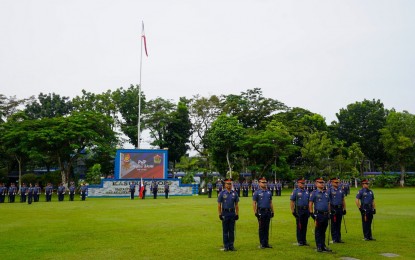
(209, 187)
(12, 193)
(245, 188)
(299, 208)
(23, 191)
(48, 192)
(132, 190)
(228, 210)
(72, 191)
(166, 189)
(84, 190)
(319, 207)
(237, 188)
(61, 192)
(264, 211)
(29, 193)
(154, 189)
(338, 209)
(219, 187)
(3, 191)
(36, 193)
(365, 201)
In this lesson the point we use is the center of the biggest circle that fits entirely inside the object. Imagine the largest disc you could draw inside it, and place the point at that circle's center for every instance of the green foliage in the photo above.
(30, 178)
(386, 180)
(49, 105)
(52, 177)
(188, 178)
(93, 176)
(410, 180)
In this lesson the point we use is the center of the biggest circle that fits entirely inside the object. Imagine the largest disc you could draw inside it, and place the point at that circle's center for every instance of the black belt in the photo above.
(264, 209)
(322, 212)
(229, 210)
(302, 207)
(337, 206)
(367, 206)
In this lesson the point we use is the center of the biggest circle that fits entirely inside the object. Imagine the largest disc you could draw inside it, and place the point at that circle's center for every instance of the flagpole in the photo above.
(139, 90)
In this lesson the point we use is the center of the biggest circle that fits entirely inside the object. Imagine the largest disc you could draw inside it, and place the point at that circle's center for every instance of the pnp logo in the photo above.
(157, 159)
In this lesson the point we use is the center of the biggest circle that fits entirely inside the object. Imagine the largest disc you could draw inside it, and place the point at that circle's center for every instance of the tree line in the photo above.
(233, 133)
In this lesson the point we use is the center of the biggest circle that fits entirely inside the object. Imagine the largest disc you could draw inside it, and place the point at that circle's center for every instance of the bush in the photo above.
(386, 180)
(410, 180)
(30, 178)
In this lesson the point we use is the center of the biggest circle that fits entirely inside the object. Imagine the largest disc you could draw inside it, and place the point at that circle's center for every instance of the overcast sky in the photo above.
(318, 55)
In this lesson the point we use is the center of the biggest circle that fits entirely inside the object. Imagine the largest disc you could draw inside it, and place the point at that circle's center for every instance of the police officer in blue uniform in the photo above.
(166, 189)
(209, 187)
(29, 193)
(228, 210)
(245, 188)
(319, 207)
(84, 191)
(12, 193)
(278, 188)
(264, 211)
(23, 191)
(365, 201)
(338, 209)
(36, 193)
(72, 191)
(48, 192)
(219, 187)
(299, 208)
(3, 192)
(154, 189)
(132, 190)
(271, 187)
(237, 188)
(61, 192)
(254, 186)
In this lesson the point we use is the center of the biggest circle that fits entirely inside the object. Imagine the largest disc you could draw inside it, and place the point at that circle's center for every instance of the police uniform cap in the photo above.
(301, 180)
(335, 179)
(229, 180)
(263, 179)
(319, 179)
(365, 181)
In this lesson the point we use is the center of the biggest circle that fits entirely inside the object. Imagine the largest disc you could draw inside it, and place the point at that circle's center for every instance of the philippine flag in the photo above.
(141, 189)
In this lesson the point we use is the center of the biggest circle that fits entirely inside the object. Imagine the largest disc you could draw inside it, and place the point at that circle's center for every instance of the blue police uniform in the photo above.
(228, 201)
(61, 192)
(84, 191)
(71, 192)
(132, 190)
(48, 192)
(278, 187)
(36, 193)
(30, 194)
(264, 213)
(12, 193)
(23, 191)
(237, 188)
(245, 189)
(300, 199)
(219, 188)
(320, 199)
(337, 211)
(209, 187)
(3, 191)
(166, 190)
(154, 189)
(271, 188)
(254, 187)
(367, 209)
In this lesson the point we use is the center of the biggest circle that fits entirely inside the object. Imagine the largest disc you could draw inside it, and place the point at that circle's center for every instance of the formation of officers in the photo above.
(31, 193)
(142, 187)
(324, 203)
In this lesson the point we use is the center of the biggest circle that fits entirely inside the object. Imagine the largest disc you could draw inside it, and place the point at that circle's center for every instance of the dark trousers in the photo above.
(264, 219)
(71, 196)
(278, 192)
(132, 194)
(155, 194)
(209, 193)
(11, 198)
(322, 221)
(302, 222)
(48, 197)
(2, 198)
(228, 229)
(35, 197)
(61, 196)
(83, 195)
(23, 198)
(245, 193)
(29, 198)
(367, 218)
(238, 191)
(336, 224)
(166, 194)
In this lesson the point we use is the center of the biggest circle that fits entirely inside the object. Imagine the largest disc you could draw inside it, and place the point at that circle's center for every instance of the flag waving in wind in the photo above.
(141, 194)
(143, 36)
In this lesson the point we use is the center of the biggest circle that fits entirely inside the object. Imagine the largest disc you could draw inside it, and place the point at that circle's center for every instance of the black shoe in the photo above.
(232, 249)
(225, 249)
(372, 239)
(262, 247)
(367, 239)
(320, 250)
(303, 244)
(268, 246)
(326, 249)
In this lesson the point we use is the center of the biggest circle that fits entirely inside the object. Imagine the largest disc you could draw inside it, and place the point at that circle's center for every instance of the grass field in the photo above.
(189, 228)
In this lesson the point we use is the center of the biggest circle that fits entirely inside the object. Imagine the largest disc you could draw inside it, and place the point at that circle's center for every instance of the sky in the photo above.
(318, 55)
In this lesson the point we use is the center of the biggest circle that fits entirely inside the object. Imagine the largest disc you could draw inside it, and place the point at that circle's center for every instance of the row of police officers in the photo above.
(325, 205)
(31, 193)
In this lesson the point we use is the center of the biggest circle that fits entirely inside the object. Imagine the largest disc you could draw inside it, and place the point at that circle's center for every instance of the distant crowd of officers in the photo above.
(154, 187)
(32, 193)
(323, 201)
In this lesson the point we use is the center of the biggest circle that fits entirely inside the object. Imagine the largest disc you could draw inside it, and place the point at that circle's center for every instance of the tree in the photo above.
(398, 138)
(316, 151)
(360, 123)
(222, 139)
(49, 105)
(9, 106)
(126, 101)
(178, 132)
(93, 175)
(157, 117)
(251, 108)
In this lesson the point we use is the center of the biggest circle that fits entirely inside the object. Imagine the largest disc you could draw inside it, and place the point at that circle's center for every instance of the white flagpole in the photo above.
(139, 89)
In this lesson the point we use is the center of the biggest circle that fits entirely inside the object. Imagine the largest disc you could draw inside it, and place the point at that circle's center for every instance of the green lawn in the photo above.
(189, 228)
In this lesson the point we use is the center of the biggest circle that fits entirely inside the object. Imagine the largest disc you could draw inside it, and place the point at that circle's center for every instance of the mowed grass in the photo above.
(189, 228)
